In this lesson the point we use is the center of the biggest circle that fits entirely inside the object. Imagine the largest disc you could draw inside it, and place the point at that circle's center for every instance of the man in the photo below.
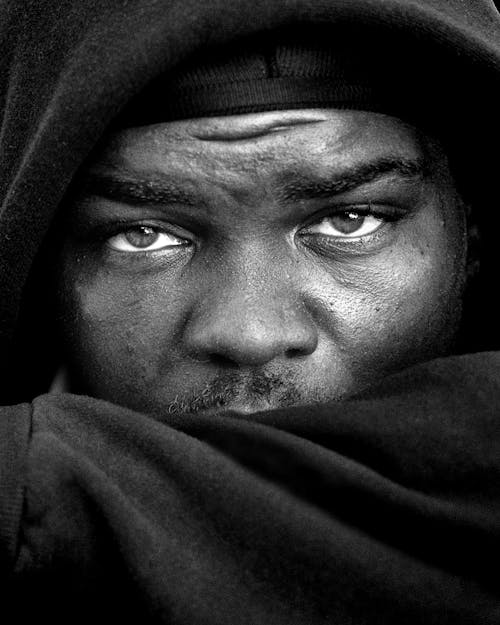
(260, 260)
(248, 232)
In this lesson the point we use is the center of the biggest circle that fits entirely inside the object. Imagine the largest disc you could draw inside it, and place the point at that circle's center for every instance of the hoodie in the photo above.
(383, 509)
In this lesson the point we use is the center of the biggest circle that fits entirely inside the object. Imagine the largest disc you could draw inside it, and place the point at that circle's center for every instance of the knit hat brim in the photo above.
(271, 73)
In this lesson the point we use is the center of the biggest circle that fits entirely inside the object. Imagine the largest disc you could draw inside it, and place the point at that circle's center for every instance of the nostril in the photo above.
(222, 361)
(295, 353)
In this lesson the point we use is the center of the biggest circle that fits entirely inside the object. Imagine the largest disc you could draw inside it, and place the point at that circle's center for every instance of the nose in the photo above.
(250, 324)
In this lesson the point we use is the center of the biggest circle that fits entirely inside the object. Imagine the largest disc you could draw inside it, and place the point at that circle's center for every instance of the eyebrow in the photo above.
(296, 186)
(139, 191)
(292, 185)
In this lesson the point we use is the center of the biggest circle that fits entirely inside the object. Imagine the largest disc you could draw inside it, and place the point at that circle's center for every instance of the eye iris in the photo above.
(347, 223)
(142, 237)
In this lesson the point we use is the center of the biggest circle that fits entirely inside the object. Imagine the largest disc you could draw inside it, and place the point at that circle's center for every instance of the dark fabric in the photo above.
(381, 510)
(15, 423)
(67, 68)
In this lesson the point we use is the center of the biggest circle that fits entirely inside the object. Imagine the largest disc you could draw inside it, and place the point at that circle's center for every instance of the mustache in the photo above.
(248, 387)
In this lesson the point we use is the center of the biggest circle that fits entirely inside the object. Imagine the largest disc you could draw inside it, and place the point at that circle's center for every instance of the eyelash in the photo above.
(103, 233)
(383, 212)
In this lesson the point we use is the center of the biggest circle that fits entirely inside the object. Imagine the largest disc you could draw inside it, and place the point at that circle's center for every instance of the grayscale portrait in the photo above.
(249, 324)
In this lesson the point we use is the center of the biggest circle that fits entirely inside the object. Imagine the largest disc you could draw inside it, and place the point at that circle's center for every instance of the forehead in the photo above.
(262, 142)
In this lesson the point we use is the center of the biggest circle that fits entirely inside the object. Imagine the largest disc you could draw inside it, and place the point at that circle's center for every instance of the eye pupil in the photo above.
(142, 236)
(347, 222)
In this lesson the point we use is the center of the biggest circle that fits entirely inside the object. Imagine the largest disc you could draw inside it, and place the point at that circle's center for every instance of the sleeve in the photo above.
(15, 426)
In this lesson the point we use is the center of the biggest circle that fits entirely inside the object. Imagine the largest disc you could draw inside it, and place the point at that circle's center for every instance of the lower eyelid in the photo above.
(146, 250)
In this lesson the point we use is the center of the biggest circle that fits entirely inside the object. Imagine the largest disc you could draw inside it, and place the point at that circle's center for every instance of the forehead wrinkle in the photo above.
(243, 186)
(233, 135)
(253, 125)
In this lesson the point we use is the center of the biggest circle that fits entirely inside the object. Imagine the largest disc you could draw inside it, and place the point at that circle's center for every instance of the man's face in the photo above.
(257, 261)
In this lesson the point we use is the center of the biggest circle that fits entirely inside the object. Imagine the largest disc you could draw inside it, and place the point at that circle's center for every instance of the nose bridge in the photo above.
(251, 312)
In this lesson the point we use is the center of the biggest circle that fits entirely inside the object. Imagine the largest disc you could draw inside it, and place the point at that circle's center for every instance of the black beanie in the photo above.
(275, 72)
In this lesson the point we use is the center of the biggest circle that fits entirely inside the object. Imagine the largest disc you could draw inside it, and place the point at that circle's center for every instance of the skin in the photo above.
(255, 292)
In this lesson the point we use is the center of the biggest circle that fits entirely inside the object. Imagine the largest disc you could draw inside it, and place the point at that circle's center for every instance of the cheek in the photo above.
(117, 329)
(399, 307)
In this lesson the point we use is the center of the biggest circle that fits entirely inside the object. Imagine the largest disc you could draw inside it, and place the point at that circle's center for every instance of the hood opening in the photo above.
(421, 79)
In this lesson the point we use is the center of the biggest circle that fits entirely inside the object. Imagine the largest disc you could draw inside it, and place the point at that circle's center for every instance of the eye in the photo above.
(348, 224)
(143, 239)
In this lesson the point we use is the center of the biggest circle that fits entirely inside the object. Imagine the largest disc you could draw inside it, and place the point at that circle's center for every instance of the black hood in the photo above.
(69, 67)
